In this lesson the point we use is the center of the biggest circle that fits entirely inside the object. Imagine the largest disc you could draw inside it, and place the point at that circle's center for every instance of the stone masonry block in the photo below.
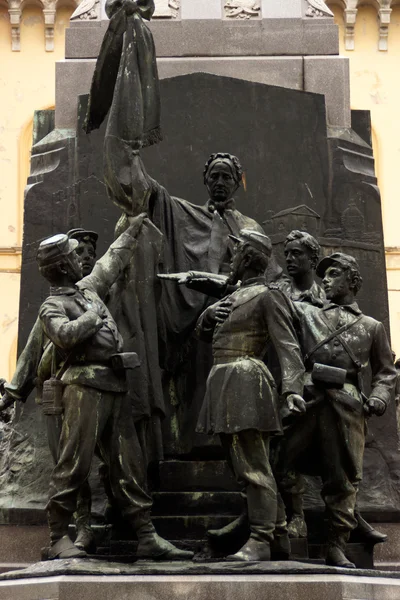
(329, 75)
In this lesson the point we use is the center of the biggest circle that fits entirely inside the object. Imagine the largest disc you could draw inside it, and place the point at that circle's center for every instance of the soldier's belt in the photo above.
(221, 359)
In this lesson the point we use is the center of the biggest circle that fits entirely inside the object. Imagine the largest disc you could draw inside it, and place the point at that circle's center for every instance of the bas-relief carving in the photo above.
(242, 9)
(166, 9)
(88, 10)
(318, 8)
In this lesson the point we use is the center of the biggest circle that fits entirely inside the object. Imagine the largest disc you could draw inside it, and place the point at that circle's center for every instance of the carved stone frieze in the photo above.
(88, 10)
(242, 9)
(318, 8)
(166, 9)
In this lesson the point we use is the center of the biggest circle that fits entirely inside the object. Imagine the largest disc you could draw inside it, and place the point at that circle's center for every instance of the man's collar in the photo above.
(254, 281)
(212, 205)
(63, 291)
(353, 308)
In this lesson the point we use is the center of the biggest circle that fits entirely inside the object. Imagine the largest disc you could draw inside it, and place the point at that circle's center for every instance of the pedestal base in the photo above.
(283, 584)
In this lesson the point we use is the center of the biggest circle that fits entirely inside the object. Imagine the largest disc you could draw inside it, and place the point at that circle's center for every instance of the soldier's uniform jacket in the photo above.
(241, 393)
(76, 319)
(366, 338)
(315, 295)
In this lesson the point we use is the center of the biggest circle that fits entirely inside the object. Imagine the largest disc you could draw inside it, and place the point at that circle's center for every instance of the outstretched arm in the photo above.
(110, 266)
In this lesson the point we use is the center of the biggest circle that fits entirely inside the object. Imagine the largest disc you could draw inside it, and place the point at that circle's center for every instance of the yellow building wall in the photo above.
(375, 86)
(27, 83)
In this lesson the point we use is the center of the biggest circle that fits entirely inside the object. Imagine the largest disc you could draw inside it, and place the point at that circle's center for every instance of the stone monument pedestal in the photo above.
(287, 581)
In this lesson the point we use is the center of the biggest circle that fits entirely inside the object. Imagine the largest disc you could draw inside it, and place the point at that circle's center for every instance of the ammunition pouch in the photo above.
(52, 395)
(332, 377)
(124, 360)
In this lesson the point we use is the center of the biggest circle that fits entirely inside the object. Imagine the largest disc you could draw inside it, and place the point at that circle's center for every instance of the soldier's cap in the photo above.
(54, 249)
(344, 260)
(80, 234)
(258, 240)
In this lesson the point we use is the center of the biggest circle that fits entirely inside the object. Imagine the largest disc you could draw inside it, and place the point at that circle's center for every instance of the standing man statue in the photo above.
(34, 368)
(302, 252)
(338, 343)
(241, 402)
(90, 390)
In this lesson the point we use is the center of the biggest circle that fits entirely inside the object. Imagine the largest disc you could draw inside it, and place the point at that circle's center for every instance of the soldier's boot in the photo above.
(336, 556)
(154, 547)
(85, 539)
(366, 533)
(63, 548)
(280, 546)
(252, 551)
(297, 527)
(234, 529)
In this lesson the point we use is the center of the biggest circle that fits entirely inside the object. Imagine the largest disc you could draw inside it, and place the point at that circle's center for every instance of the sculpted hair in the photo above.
(237, 167)
(354, 276)
(308, 241)
(259, 260)
(52, 272)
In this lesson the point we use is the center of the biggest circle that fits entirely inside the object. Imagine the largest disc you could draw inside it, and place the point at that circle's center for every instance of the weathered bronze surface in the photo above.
(127, 363)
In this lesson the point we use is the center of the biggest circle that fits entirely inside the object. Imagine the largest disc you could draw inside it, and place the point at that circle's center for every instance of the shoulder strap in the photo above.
(64, 367)
(336, 333)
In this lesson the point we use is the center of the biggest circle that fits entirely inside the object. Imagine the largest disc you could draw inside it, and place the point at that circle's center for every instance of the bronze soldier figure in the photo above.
(34, 367)
(302, 252)
(90, 391)
(338, 342)
(240, 403)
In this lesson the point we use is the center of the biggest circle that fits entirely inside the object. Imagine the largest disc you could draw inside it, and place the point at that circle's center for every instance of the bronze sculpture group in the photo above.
(282, 374)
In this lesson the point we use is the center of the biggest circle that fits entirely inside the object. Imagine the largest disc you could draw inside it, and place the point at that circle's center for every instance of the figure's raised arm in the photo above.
(125, 85)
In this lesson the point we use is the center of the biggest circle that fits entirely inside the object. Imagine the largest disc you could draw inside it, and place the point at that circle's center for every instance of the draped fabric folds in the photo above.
(125, 81)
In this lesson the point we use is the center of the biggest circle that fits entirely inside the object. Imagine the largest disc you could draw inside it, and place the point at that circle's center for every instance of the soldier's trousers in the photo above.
(248, 456)
(336, 435)
(104, 418)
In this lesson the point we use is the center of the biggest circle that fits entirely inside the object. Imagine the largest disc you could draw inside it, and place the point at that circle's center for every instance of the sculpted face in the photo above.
(73, 267)
(220, 182)
(337, 284)
(298, 259)
(87, 256)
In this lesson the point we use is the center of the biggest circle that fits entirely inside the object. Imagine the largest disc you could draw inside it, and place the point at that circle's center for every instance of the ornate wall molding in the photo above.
(49, 9)
(242, 9)
(351, 12)
(87, 10)
(318, 8)
(166, 9)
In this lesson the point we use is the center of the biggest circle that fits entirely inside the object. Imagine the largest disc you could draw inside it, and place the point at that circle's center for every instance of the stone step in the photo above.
(189, 527)
(187, 475)
(197, 503)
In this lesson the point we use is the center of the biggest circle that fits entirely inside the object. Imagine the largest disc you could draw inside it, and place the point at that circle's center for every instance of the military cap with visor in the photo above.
(55, 248)
(80, 234)
(257, 240)
(338, 258)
